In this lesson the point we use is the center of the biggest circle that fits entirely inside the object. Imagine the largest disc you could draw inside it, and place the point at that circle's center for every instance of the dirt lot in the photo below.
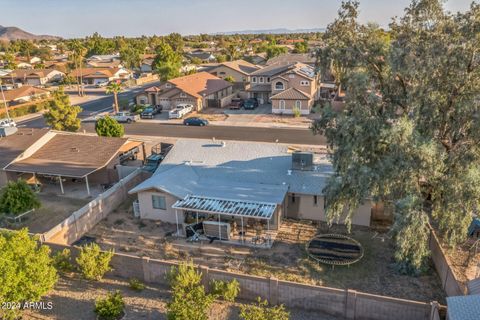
(74, 298)
(54, 210)
(287, 259)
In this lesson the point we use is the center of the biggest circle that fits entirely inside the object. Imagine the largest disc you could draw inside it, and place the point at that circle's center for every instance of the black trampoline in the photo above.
(334, 249)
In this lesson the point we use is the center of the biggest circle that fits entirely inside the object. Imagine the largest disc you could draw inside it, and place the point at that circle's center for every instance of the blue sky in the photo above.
(78, 18)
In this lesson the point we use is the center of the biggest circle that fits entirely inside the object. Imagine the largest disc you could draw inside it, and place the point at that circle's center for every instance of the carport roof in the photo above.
(70, 155)
(14, 145)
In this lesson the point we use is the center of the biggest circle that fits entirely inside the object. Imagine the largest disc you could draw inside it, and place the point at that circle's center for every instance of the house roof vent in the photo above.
(302, 161)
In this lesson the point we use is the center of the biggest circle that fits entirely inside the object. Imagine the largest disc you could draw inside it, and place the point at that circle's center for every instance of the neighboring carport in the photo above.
(72, 156)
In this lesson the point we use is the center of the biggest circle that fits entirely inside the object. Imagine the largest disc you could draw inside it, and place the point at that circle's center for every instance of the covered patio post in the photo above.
(219, 229)
(88, 186)
(176, 218)
(61, 184)
(243, 233)
(197, 217)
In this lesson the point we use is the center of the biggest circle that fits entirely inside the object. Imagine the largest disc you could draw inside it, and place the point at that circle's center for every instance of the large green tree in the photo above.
(62, 115)
(167, 62)
(17, 197)
(26, 271)
(409, 133)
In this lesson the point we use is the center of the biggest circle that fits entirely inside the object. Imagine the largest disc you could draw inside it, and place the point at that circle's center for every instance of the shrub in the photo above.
(296, 112)
(109, 127)
(62, 261)
(17, 197)
(111, 307)
(189, 301)
(136, 284)
(227, 290)
(94, 263)
(27, 271)
(261, 311)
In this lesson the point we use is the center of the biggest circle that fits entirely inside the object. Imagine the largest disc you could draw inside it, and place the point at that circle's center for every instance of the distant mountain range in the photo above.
(14, 33)
(273, 31)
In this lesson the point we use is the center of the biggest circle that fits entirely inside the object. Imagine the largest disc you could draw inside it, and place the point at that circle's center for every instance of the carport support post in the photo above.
(61, 184)
(176, 218)
(88, 187)
(219, 229)
(243, 233)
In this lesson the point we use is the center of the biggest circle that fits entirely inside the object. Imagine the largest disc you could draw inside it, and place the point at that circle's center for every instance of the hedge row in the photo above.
(21, 110)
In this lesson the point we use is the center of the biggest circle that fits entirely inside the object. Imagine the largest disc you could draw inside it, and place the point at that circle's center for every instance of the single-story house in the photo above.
(204, 56)
(99, 75)
(228, 184)
(199, 89)
(104, 57)
(57, 155)
(104, 64)
(33, 77)
(23, 94)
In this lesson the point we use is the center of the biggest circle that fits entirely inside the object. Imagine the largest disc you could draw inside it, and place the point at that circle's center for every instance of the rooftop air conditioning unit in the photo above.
(302, 161)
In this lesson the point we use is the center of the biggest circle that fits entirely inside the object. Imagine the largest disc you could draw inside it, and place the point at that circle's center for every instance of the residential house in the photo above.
(100, 75)
(45, 154)
(23, 94)
(230, 189)
(286, 86)
(147, 65)
(204, 56)
(238, 70)
(33, 77)
(199, 89)
(104, 58)
(104, 64)
(305, 58)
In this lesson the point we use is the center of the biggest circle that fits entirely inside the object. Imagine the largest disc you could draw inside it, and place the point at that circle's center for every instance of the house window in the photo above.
(315, 200)
(291, 76)
(168, 85)
(293, 197)
(254, 79)
(298, 104)
(222, 73)
(183, 95)
(281, 104)
(268, 80)
(279, 86)
(158, 202)
(304, 83)
(261, 80)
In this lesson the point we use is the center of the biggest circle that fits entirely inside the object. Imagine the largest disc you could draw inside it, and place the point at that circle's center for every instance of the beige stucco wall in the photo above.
(290, 104)
(223, 72)
(309, 211)
(148, 212)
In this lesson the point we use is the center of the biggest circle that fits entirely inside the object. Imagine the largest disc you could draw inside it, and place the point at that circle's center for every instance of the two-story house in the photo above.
(287, 86)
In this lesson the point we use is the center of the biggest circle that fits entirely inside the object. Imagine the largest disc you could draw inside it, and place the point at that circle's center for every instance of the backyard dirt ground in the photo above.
(74, 298)
(54, 209)
(286, 260)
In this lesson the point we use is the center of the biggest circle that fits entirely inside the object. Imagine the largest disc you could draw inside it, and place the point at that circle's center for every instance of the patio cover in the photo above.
(240, 208)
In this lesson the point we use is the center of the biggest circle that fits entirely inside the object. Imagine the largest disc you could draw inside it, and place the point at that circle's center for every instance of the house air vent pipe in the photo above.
(289, 172)
(224, 143)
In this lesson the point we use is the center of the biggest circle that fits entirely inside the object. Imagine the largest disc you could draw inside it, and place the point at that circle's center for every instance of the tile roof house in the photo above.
(199, 89)
(288, 85)
(33, 77)
(261, 176)
(23, 94)
(305, 58)
(98, 75)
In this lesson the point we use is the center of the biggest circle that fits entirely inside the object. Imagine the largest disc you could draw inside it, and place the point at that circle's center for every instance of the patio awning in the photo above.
(240, 208)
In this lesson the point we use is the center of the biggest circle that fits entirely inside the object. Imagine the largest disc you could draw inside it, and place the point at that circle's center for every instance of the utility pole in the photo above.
(4, 101)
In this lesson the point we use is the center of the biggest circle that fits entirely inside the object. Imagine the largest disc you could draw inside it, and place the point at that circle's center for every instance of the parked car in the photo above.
(150, 112)
(236, 104)
(250, 104)
(7, 122)
(101, 84)
(194, 121)
(125, 117)
(179, 111)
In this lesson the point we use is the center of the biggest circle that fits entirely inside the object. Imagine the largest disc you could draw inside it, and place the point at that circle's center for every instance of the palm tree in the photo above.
(114, 88)
(79, 52)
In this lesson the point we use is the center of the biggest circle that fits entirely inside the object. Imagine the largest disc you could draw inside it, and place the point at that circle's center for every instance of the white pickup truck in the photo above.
(125, 117)
(179, 111)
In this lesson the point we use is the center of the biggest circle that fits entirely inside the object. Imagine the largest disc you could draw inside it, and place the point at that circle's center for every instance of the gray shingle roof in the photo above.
(238, 170)
(464, 307)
